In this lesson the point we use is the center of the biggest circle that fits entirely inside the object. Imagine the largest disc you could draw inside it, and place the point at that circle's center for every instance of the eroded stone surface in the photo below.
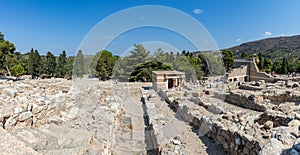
(47, 117)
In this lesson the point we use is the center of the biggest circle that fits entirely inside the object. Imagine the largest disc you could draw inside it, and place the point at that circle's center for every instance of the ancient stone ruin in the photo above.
(88, 116)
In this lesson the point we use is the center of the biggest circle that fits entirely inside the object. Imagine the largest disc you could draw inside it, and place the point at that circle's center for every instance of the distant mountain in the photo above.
(274, 48)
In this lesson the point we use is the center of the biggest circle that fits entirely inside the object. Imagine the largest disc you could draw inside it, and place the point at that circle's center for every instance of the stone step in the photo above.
(53, 139)
(10, 144)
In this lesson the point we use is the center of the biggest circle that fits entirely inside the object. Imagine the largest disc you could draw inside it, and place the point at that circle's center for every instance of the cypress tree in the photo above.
(284, 67)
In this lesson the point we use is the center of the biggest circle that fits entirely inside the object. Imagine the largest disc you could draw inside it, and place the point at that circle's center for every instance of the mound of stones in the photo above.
(41, 117)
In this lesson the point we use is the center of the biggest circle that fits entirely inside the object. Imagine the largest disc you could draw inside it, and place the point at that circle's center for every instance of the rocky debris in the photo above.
(253, 86)
(246, 99)
(53, 139)
(173, 134)
(174, 148)
(113, 113)
(260, 83)
(277, 119)
(24, 116)
(10, 92)
(280, 83)
(42, 116)
(28, 107)
(295, 84)
(279, 96)
(272, 147)
(55, 119)
(10, 144)
(250, 87)
(248, 121)
(10, 122)
(31, 102)
(215, 109)
(73, 113)
(268, 125)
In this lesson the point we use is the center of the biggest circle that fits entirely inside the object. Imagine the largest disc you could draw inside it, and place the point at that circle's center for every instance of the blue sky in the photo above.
(56, 25)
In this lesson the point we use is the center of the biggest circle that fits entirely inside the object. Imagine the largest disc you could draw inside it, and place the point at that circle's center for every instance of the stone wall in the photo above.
(224, 132)
(280, 96)
(31, 103)
(44, 116)
(238, 74)
(249, 101)
(256, 75)
(245, 71)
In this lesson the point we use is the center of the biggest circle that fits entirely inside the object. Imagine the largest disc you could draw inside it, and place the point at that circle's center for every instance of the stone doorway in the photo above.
(170, 83)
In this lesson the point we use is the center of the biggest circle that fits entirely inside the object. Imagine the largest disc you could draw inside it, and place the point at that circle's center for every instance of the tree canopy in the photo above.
(143, 72)
(105, 62)
(50, 64)
(136, 66)
(228, 59)
(6, 54)
(61, 64)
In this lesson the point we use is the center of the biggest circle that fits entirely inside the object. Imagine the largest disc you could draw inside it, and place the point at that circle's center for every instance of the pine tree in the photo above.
(50, 64)
(61, 63)
(126, 65)
(30, 67)
(228, 59)
(34, 66)
(6, 50)
(105, 65)
(37, 63)
(69, 67)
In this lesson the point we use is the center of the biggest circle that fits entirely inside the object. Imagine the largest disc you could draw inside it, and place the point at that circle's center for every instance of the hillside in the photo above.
(275, 48)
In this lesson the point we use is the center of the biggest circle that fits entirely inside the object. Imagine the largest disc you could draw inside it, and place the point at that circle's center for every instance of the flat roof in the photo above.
(174, 72)
(241, 60)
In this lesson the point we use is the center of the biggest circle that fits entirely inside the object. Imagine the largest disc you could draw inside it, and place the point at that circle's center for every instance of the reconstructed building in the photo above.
(167, 79)
(246, 71)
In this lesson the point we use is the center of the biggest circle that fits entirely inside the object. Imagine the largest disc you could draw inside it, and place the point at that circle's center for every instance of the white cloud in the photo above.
(266, 34)
(197, 11)
(239, 40)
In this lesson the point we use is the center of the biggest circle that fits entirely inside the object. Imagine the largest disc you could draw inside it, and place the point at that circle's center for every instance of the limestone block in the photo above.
(272, 147)
(25, 115)
(11, 92)
(10, 123)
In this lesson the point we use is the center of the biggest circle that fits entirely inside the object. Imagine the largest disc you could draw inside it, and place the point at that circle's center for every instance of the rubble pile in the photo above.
(31, 102)
(46, 116)
(35, 115)
(247, 100)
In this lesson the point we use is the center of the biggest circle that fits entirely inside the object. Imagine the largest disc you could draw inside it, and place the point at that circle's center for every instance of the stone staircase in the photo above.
(48, 140)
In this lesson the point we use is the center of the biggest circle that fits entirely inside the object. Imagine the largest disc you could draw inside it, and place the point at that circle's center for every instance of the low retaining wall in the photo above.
(250, 102)
(282, 96)
(232, 140)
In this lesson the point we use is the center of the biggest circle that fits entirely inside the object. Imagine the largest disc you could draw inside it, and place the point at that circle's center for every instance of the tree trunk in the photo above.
(8, 71)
